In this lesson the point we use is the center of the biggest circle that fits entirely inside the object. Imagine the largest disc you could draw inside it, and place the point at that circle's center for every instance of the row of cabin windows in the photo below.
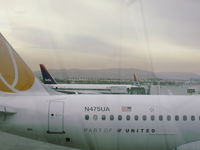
(144, 117)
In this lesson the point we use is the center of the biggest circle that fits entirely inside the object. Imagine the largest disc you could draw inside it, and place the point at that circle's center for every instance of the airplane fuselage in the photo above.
(93, 88)
(104, 122)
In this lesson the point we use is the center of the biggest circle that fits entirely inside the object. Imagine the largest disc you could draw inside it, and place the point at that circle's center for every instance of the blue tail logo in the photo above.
(47, 78)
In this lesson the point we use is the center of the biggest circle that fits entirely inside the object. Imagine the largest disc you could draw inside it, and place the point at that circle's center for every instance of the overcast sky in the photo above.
(155, 35)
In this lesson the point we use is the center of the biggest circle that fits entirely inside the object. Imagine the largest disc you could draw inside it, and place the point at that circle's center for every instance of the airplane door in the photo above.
(56, 117)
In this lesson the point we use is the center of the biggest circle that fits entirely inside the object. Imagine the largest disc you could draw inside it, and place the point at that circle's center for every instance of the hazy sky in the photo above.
(155, 35)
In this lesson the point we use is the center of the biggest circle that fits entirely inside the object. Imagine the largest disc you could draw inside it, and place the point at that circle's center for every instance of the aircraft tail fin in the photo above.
(135, 78)
(46, 76)
(15, 76)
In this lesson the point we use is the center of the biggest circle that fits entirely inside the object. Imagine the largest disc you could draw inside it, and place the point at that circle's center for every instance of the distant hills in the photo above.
(118, 74)
(178, 75)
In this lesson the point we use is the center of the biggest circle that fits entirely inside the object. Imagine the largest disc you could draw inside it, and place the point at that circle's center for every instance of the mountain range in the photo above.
(123, 73)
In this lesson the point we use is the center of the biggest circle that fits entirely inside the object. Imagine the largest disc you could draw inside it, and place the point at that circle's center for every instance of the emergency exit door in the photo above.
(56, 117)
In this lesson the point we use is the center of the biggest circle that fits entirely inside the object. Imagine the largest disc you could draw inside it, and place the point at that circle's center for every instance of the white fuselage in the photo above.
(85, 121)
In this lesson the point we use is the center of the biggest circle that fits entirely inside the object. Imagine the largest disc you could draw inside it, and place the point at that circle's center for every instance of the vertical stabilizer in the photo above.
(46, 76)
(15, 75)
(135, 78)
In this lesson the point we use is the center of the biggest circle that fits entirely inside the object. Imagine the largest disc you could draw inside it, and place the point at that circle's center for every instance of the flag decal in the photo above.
(126, 108)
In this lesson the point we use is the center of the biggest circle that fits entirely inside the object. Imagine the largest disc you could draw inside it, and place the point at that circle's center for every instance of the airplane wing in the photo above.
(14, 142)
(7, 110)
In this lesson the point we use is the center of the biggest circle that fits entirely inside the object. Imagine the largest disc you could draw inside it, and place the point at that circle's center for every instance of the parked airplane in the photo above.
(91, 122)
(86, 88)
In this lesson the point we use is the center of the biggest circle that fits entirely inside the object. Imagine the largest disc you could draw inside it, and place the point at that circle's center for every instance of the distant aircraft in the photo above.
(91, 122)
(83, 88)
(135, 78)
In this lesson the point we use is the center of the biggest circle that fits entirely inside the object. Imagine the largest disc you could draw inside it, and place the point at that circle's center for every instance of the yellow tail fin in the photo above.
(15, 75)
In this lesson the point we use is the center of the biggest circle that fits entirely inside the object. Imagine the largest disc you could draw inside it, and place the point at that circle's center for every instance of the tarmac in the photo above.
(12, 142)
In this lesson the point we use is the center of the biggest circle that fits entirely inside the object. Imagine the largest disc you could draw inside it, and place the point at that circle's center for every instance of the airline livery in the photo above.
(92, 122)
(47, 78)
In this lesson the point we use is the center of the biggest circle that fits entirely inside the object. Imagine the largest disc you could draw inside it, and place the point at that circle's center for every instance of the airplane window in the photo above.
(87, 117)
(192, 118)
(128, 117)
(144, 117)
(103, 117)
(168, 117)
(67, 139)
(136, 117)
(184, 118)
(152, 117)
(111, 117)
(119, 117)
(177, 118)
(160, 117)
(95, 117)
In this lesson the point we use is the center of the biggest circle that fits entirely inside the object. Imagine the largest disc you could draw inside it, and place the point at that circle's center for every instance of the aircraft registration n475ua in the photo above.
(91, 122)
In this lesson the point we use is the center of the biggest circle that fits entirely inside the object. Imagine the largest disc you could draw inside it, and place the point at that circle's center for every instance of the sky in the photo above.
(153, 35)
